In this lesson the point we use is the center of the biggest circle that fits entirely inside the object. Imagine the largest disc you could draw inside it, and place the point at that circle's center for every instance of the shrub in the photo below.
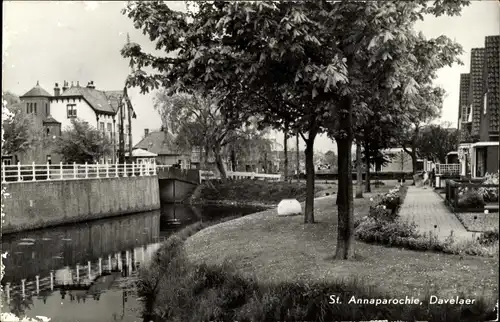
(471, 199)
(488, 237)
(490, 194)
(252, 190)
(388, 233)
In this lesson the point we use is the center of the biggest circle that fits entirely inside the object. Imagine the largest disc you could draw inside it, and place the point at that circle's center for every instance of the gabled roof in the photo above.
(96, 99)
(159, 143)
(37, 91)
(142, 153)
(50, 120)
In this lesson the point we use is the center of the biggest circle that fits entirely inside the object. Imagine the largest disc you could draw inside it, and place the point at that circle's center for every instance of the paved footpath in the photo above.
(427, 209)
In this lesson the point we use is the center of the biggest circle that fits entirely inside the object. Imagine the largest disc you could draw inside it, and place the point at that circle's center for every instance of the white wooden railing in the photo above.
(209, 175)
(61, 171)
(449, 169)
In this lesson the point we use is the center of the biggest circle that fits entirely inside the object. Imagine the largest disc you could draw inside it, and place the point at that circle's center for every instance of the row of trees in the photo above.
(349, 69)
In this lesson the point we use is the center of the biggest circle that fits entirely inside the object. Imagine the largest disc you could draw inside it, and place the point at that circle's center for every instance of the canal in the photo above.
(86, 271)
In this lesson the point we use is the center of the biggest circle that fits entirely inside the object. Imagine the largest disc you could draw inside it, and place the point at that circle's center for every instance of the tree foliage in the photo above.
(199, 121)
(436, 141)
(21, 133)
(82, 143)
(316, 61)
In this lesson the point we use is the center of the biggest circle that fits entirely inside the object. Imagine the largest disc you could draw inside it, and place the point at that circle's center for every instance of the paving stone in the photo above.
(427, 210)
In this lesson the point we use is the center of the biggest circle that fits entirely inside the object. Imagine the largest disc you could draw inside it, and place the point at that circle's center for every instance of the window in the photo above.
(71, 109)
(27, 108)
(34, 110)
(48, 130)
(101, 126)
(6, 162)
(485, 107)
(110, 129)
(47, 109)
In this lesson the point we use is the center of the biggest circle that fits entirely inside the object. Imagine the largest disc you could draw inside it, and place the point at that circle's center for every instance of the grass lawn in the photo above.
(479, 222)
(273, 248)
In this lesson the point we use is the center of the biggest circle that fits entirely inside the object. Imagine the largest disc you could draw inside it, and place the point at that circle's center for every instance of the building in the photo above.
(162, 143)
(400, 161)
(479, 106)
(54, 113)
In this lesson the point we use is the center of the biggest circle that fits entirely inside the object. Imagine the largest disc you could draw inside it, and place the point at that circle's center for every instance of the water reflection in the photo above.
(85, 272)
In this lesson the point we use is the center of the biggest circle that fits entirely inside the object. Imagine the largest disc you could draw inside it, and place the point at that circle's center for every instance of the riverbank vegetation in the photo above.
(253, 191)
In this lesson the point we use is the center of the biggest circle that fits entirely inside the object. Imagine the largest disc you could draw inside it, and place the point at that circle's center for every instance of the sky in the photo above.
(52, 41)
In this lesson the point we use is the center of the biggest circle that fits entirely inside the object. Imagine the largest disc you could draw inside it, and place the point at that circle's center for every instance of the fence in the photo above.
(448, 169)
(46, 172)
(456, 195)
(209, 175)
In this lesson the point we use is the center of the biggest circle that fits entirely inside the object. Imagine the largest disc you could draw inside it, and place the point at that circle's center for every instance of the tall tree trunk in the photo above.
(309, 154)
(345, 234)
(233, 160)
(285, 147)
(298, 157)
(368, 187)
(205, 159)
(359, 172)
(220, 163)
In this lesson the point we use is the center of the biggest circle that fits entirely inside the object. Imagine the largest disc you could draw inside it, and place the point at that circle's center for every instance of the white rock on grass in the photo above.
(289, 207)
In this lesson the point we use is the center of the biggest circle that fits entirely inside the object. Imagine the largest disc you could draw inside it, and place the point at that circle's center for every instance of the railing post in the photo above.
(37, 285)
(61, 170)
(107, 170)
(19, 178)
(133, 169)
(74, 170)
(116, 169)
(86, 171)
(97, 169)
(34, 172)
(23, 286)
(125, 169)
(48, 171)
(7, 292)
(51, 280)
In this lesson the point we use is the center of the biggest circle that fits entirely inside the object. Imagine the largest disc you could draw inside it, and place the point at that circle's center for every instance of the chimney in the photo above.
(65, 86)
(57, 90)
(146, 132)
(77, 83)
(72, 84)
(91, 85)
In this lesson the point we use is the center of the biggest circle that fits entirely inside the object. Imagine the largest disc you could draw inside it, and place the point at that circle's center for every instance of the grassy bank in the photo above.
(252, 192)
(176, 288)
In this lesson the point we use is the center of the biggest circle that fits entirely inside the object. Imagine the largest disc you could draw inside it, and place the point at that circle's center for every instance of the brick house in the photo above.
(479, 106)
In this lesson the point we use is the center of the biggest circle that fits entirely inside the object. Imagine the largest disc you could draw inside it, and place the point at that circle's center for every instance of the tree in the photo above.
(314, 57)
(436, 141)
(21, 133)
(198, 121)
(82, 143)
(429, 107)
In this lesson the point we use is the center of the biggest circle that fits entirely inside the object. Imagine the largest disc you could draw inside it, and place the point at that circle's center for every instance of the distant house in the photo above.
(400, 161)
(162, 143)
(54, 113)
